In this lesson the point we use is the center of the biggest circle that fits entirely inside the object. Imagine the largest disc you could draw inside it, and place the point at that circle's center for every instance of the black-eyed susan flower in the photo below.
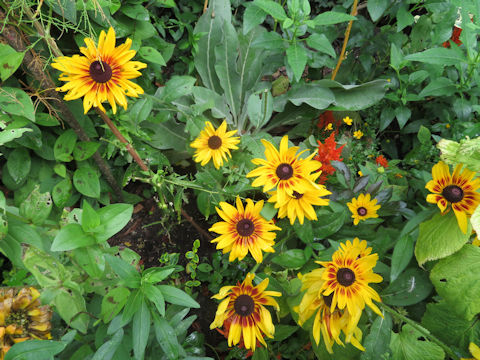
(301, 205)
(244, 230)
(457, 190)
(361, 245)
(243, 308)
(327, 324)
(474, 350)
(363, 208)
(22, 317)
(214, 144)
(284, 170)
(102, 74)
(347, 277)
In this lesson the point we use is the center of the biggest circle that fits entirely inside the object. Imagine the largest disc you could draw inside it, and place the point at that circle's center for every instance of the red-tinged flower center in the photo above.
(452, 193)
(100, 72)
(297, 195)
(245, 227)
(345, 276)
(284, 171)
(244, 305)
(362, 211)
(214, 142)
(328, 299)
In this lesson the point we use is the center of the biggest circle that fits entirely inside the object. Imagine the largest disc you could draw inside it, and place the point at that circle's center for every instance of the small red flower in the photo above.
(455, 37)
(381, 161)
(327, 152)
(326, 118)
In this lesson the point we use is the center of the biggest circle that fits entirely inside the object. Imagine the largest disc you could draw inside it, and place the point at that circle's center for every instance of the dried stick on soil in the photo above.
(36, 66)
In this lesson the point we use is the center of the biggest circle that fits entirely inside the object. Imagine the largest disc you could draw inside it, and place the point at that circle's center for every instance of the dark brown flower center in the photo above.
(345, 276)
(296, 195)
(328, 299)
(284, 171)
(100, 72)
(452, 193)
(214, 142)
(362, 211)
(244, 305)
(245, 227)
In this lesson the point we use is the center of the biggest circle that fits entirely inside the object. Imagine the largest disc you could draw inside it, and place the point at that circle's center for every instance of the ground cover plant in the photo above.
(239, 179)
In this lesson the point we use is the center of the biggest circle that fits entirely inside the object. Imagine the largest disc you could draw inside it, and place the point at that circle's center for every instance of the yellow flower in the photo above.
(360, 173)
(474, 350)
(447, 126)
(363, 208)
(457, 190)
(285, 170)
(22, 317)
(358, 134)
(329, 127)
(476, 241)
(243, 312)
(102, 74)
(347, 120)
(214, 144)
(301, 205)
(244, 230)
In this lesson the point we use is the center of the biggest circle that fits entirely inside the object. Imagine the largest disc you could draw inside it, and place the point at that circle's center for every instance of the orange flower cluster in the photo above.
(381, 161)
(327, 152)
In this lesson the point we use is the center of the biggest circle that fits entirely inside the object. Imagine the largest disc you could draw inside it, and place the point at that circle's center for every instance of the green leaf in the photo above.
(402, 113)
(260, 108)
(328, 223)
(177, 87)
(90, 218)
(154, 275)
(65, 8)
(155, 295)
(304, 231)
(10, 60)
(136, 12)
(321, 43)
(439, 238)
(297, 59)
(86, 181)
(9, 135)
(141, 330)
(70, 305)
(16, 102)
(252, 17)
(272, 8)
(108, 349)
(126, 272)
(290, 259)
(424, 135)
(133, 305)
(404, 18)
(113, 302)
(167, 338)
(376, 8)
(438, 56)
(36, 207)
(311, 94)
(84, 149)
(167, 135)
(407, 346)
(113, 217)
(18, 164)
(458, 274)
(91, 260)
(411, 287)
(35, 350)
(440, 86)
(152, 55)
(62, 192)
(176, 296)
(377, 342)
(332, 17)
(269, 41)
(64, 146)
(402, 254)
(70, 237)
(283, 332)
(396, 57)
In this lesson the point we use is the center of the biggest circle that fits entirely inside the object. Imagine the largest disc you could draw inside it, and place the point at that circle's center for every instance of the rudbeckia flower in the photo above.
(244, 230)
(457, 190)
(244, 309)
(214, 144)
(363, 208)
(474, 350)
(284, 170)
(102, 74)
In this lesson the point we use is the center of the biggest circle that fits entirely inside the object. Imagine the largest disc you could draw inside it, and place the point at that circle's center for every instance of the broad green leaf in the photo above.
(402, 113)
(272, 8)
(36, 207)
(439, 238)
(466, 152)
(154, 275)
(12, 250)
(424, 135)
(407, 346)
(304, 231)
(269, 41)
(133, 305)
(113, 302)
(328, 223)
(136, 11)
(167, 338)
(91, 260)
(458, 274)
(62, 192)
(167, 135)
(438, 56)
(176, 296)
(10, 60)
(12, 134)
(113, 217)
(377, 342)
(411, 287)
(126, 272)
(16, 102)
(321, 43)
(90, 219)
(84, 150)
(402, 254)
(65, 8)
(18, 164)
(252, 17)
(404, 18)
(376, 8)
(396, 57)
(35, 350)
(297, 59)
(70, 305)
(141, 330)
(155, 295)
(70, 237)
(440, 86)
(87, 183)
(260, 108)
(177, 87)
(64, 146)
(108, 349)
(332, 17)
(311, 94)
(283, 332)
(290, 259)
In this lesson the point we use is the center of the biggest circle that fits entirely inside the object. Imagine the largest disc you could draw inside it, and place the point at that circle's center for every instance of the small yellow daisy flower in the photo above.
(363, 208)
(214, 144)
(358, 134)
(347, 120)
(329, 127)
(360, 173)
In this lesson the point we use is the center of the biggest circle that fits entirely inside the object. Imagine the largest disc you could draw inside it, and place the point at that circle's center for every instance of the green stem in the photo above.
(420, 329)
